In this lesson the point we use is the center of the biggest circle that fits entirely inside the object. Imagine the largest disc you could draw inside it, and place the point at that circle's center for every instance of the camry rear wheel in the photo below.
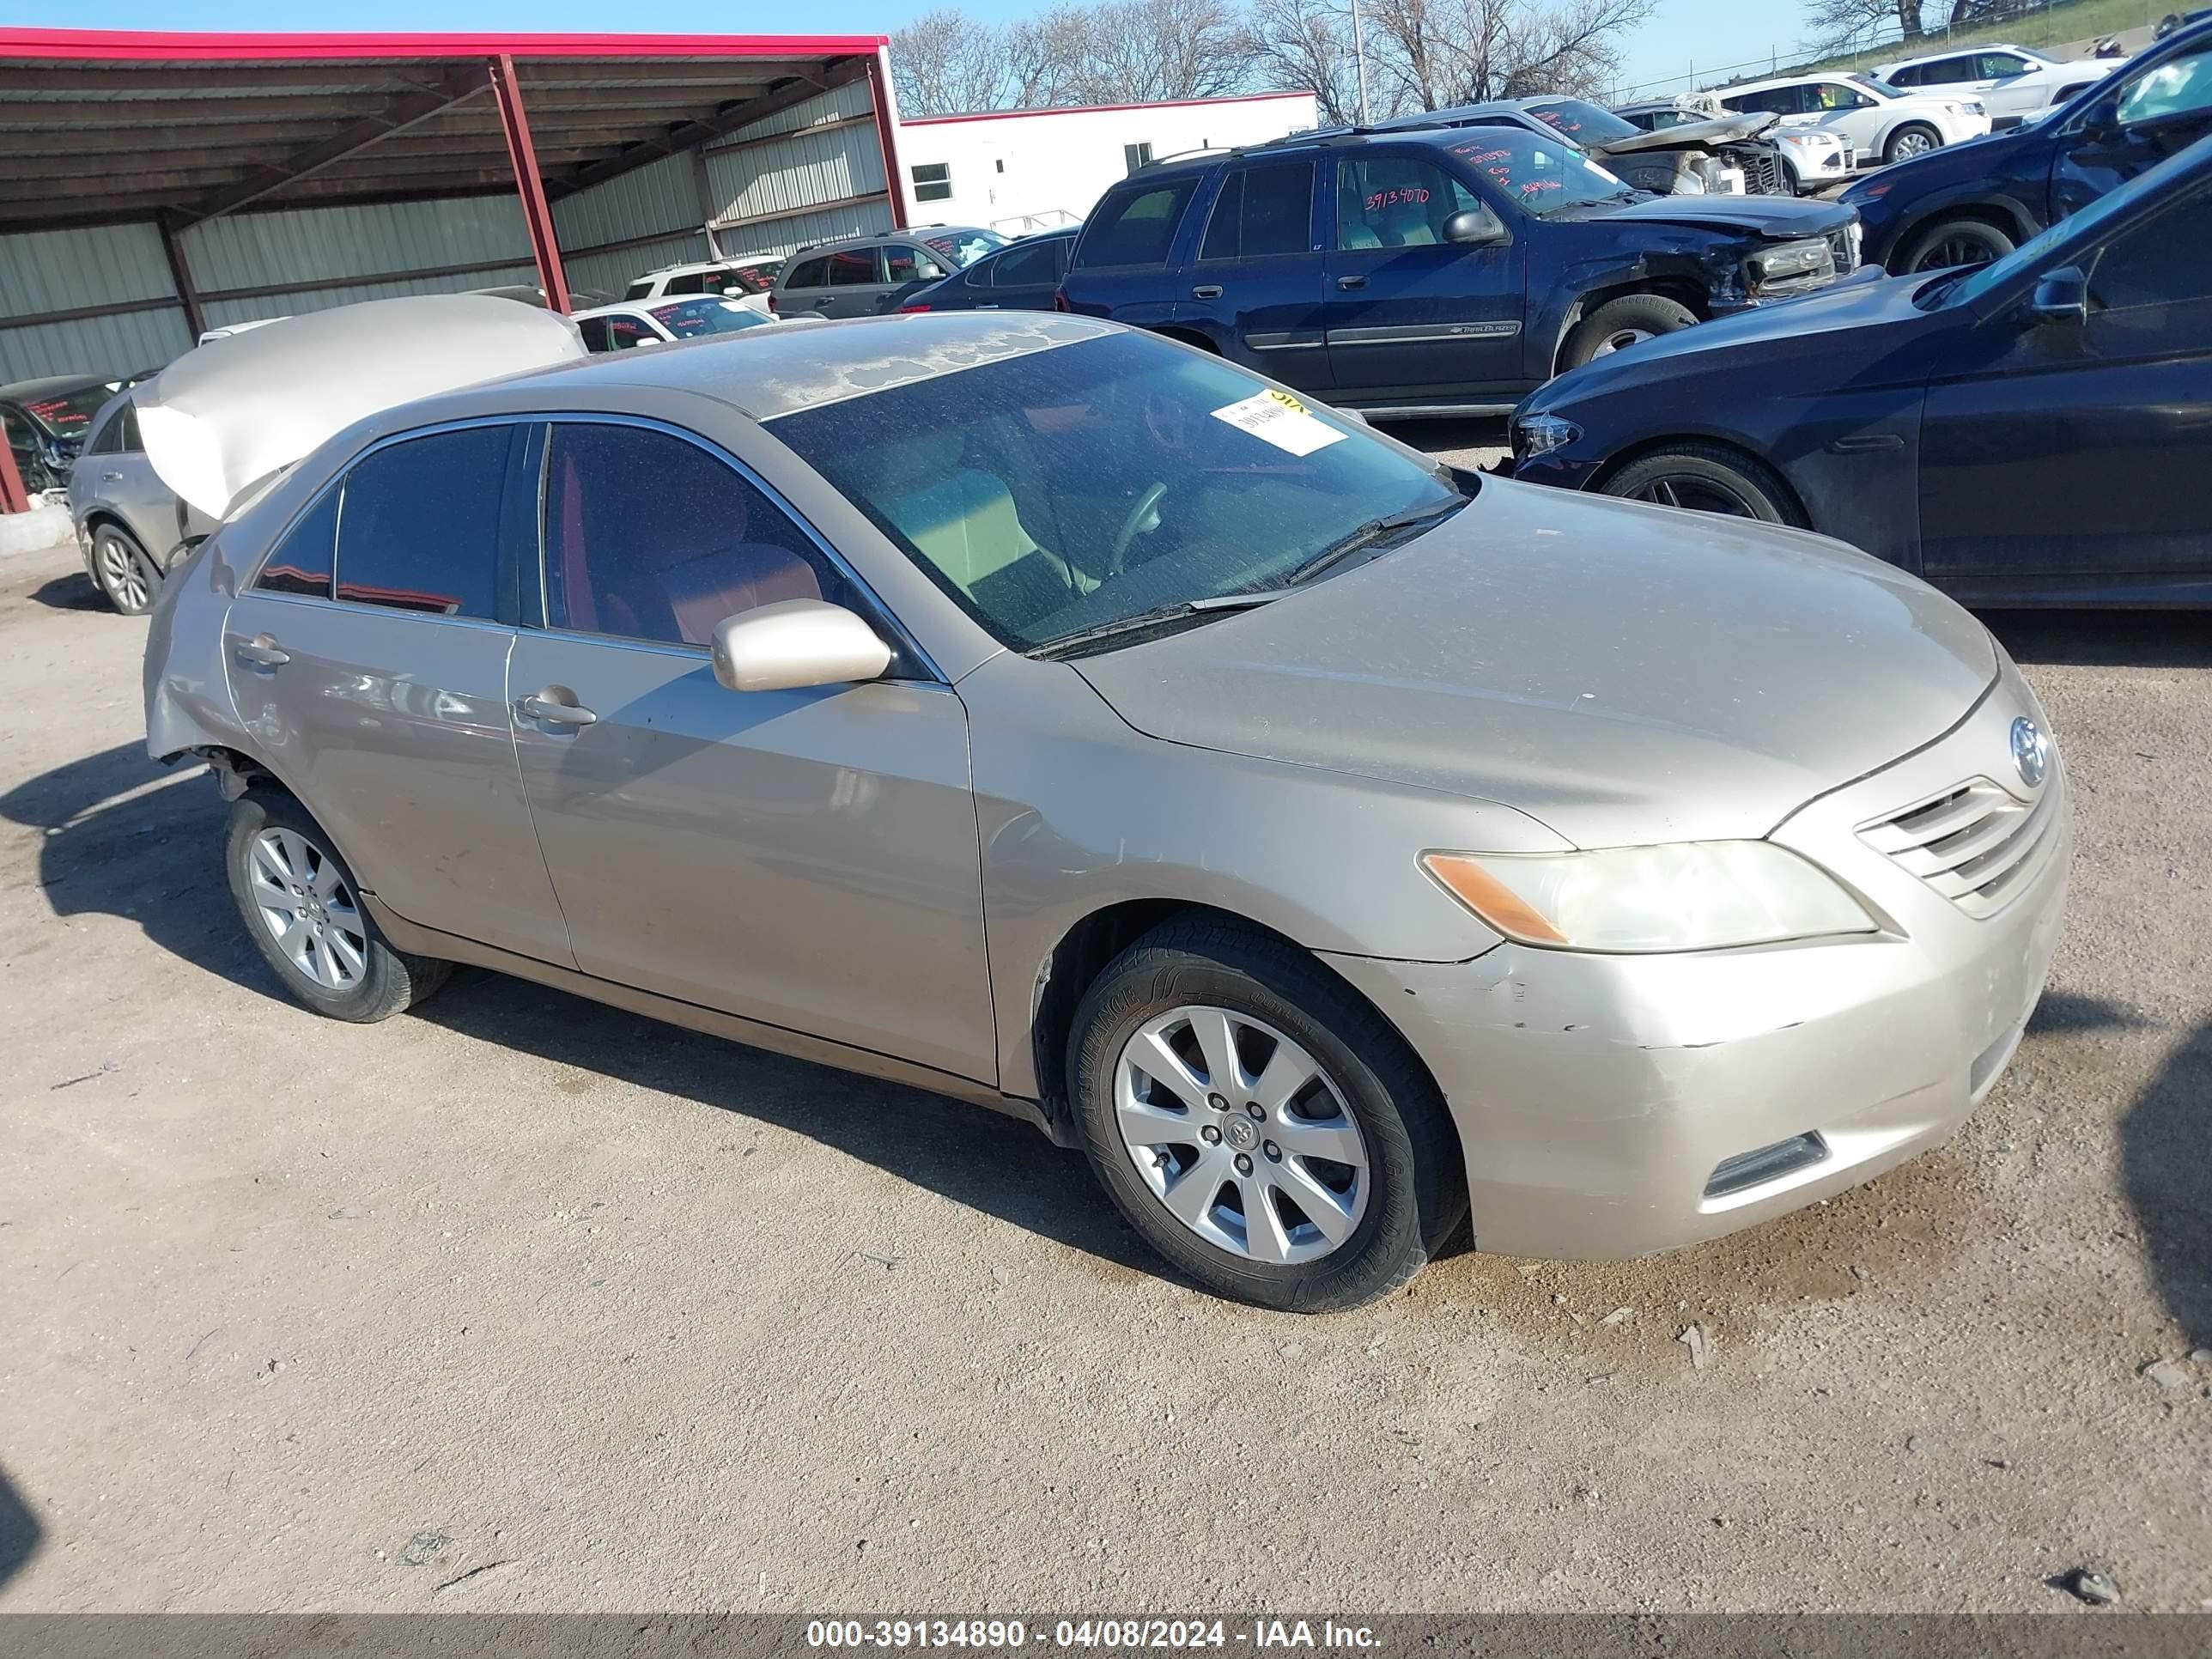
(302, 907)
(125, 576)
(1619, 323)
(1258, 1123)
(1954, 242)
(1705, 479)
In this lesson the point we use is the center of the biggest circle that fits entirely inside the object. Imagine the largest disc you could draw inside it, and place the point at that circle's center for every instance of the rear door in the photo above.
(805, 858)
(1410, 316)
(124, 480)
(370, 655)
(1024, 276)
(2146, 115)
(851, 279)
(1256, 288)
(1126, 262)
(2058, 457)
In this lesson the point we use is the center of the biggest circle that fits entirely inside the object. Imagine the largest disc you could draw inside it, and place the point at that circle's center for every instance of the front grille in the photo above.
(1762, 170)
(1976, 844)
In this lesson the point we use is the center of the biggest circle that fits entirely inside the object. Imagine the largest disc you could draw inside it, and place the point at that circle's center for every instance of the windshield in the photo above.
(964, 248)
(1872, 84)
(690, 319)
(66, 413)
(1586, 124)
(1062, 490)
(1544, 178)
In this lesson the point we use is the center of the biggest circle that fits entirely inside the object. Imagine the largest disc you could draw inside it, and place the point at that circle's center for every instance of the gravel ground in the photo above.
(521, 1302)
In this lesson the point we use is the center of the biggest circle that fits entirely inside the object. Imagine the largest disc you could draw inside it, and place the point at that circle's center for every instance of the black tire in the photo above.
(387, 981)
(1950, 242)
(1607, 327)
(1418, 1190)
(1706, 478)
(1899, 150)
(116, 555)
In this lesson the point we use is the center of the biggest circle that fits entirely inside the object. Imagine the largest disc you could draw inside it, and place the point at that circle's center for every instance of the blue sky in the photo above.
(1708, 32)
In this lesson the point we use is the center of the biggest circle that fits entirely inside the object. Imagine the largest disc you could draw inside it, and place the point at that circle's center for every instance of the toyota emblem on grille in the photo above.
(2031, 751)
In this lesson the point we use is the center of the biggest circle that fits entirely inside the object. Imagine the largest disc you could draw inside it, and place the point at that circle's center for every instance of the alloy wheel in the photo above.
(1698, 493)
(305, 903)
(1240, 1136)
(1954, 252)
(120, 575)
(1907, 145)
(1620, 339)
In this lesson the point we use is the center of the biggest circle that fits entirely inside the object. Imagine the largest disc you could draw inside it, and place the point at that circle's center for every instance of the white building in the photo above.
(1017, 171)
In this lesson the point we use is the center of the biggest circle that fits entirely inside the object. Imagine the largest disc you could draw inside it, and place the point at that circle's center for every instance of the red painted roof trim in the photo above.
(1096, 109)
(160, 46)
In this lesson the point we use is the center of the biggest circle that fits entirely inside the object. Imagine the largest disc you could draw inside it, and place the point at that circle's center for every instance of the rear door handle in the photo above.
(554, 710)
(1352, 282)
(111, 477)
(262, 651)
(1207, 291)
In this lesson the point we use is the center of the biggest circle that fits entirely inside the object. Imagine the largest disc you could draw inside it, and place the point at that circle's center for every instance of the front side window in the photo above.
(933, 181)
(648, 537)
(418, 525)
(2166, 260)
(2001, 66)
(1062, 490)
(1401, 201)
(2179, 86)
(301, 564)
(909, 264)
(749, 279)
(1138, 227)
(627, 333)
(1262, 211)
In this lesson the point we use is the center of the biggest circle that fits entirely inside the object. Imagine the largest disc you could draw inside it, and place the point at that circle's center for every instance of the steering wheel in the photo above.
(1131, 525)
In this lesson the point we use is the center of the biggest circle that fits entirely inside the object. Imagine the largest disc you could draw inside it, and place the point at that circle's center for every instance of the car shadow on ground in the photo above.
(2105, 639)
(2165, 1167)
(74, 591)
(125, 837)
(19, 1531)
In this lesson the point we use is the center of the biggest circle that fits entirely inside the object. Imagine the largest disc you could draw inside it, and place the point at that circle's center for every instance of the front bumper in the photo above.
(1597, 1097)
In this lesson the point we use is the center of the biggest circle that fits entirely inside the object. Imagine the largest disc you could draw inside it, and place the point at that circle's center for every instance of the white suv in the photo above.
(2016, 84)
(1880, 122)
(746, 281)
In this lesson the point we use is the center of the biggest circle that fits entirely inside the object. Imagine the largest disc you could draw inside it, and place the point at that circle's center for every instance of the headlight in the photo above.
(1540, 435)
(1790, 261)
(1689, 895)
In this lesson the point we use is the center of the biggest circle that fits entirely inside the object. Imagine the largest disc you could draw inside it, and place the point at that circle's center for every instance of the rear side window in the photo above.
(1261, 211)
(301, 562)
(807, 274)
(1137, 226)
(419, 526)
(120, 435)
(650, 538)
(689, 282)
(1034, 266)
(852, 267)
(640, 290)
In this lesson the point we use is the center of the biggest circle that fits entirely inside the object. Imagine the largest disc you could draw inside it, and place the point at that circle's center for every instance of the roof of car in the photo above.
(868, 238)
(767, 372)
(53, 385)
(1974, 51)
(737, 259)
(1808, 78)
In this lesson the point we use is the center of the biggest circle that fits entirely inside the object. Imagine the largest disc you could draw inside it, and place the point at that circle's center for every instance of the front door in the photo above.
(805, 858)
(377, 687)
(2065, 456)
(1413, 318)
(2147, 116)
(1257, 287)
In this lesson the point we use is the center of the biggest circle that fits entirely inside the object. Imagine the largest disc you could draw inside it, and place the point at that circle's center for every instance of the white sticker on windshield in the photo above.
(1278, 418)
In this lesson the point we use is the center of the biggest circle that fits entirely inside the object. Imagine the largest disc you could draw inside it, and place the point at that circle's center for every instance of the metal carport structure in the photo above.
(155, 184)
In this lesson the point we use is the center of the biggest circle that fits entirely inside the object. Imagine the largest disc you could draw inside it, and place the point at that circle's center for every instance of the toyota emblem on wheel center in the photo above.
(2031, 751)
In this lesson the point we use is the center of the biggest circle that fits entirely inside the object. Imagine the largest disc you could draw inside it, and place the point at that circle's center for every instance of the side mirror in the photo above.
(796, 642)
(2061, 296)
(1474, 226)
(2103, 119)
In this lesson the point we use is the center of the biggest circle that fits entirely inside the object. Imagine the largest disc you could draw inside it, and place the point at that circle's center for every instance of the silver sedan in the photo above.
(1332, 845)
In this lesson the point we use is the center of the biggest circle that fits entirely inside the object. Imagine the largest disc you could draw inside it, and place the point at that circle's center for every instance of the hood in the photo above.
(1627, 674)
(1777, 217)
(1867, 298)
(1692, 135)
(1969, 161)
(227, 415)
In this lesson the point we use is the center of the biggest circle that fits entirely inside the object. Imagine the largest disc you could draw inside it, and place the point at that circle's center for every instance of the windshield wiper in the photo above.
(1375, 530)
(1146, 622)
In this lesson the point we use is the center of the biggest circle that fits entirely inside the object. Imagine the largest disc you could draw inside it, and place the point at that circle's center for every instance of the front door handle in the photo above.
(555, 706)
(1207, 291)
(262, 651)
(1352, 282)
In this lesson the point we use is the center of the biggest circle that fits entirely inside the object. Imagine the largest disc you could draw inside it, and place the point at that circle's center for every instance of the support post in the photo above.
(537, 212)
(180, 276)
(14, 498)
(879, 95)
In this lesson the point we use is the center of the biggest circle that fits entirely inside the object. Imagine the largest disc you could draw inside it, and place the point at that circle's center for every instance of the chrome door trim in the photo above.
(1416, 333)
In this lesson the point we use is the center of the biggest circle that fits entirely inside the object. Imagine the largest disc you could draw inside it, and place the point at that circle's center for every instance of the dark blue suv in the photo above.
(1970, 203)
(1441, 271)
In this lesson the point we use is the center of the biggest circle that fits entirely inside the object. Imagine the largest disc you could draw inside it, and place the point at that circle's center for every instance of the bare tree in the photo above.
(1442, 52)
(1135, 52)
(944, 63)
(1840, 25)
(1301, 45)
